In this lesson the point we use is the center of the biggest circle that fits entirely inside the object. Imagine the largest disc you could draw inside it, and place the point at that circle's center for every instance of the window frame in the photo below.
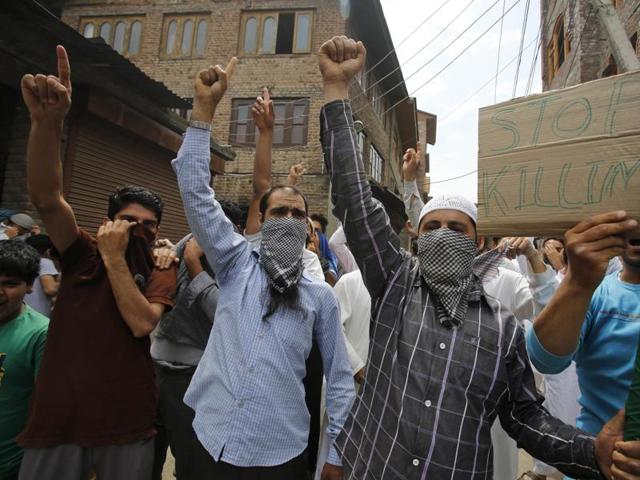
(376, 164)
(261, 16)
(553, 48)
(287, 123)
(176, 52)
(113, 21)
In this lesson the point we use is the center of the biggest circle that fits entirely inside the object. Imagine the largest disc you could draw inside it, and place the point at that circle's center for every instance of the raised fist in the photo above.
(340, 59)
(296, 172)
(48, 98)
(411, 163)
(262, 111)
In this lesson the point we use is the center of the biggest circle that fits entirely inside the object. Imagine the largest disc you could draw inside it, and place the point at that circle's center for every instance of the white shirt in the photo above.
(338, 245)
(524, 298)
(355, 313)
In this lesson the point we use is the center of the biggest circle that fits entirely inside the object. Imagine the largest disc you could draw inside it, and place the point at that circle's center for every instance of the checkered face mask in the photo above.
(281, 249)
(446, 264)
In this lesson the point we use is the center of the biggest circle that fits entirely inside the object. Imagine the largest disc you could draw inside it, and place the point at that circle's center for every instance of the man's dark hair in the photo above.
(128, 194)
(40, 242)
(234, 213)
(264, 201)
(322, 220)
(289, 299)
(17, 259)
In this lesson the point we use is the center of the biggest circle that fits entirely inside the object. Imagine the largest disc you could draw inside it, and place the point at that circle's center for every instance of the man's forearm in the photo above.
(262, 162)
(140, 315)
(558, 326)
(44, 168)
(549, 439)
(536, 263)
(44, 183)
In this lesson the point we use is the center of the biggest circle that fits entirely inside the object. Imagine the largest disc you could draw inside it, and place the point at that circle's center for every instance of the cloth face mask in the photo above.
(281, 248)
(446, 264)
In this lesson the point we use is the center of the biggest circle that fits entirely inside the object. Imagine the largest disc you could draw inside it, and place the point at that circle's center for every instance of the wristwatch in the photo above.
(200, 125)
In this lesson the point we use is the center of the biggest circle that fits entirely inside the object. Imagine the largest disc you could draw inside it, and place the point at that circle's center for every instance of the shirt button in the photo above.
(240, 403)
(442, 346)
(251, 369)
(416, 462)
(428, 403)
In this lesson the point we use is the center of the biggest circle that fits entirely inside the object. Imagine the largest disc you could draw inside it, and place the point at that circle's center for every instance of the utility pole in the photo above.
(621, 48)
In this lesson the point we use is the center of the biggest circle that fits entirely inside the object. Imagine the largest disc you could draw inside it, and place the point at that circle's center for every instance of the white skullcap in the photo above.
(450, 202)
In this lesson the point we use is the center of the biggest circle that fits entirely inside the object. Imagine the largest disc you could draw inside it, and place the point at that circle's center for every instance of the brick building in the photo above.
(119, 129)
(276, 42)
(575, 48)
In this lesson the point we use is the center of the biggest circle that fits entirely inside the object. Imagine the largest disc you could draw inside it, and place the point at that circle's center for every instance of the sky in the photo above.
(456, 149)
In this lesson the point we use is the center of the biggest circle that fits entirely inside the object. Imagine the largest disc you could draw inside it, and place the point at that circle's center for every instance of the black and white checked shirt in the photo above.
(431, 393)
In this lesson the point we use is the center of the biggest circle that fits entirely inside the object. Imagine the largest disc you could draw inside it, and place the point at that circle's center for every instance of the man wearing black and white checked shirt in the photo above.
(442, 363)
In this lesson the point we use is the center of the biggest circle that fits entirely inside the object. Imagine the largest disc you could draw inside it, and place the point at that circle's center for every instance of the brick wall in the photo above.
(291, 76)
(589, 46)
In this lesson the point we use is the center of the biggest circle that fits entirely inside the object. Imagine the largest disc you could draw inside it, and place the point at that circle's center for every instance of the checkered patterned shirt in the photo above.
(431, 393)
(247, 391)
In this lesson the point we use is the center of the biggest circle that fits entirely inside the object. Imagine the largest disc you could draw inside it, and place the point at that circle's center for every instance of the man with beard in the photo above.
(594, 322)
(94, 403)
(443, 362)
(247, 392)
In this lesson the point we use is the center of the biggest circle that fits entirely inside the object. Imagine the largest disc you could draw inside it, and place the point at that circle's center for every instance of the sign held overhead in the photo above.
(548, 161)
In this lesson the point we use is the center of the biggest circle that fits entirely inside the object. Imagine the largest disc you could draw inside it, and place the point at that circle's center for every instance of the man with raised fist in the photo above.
(443, 361)
(247, 392)
(94, 404)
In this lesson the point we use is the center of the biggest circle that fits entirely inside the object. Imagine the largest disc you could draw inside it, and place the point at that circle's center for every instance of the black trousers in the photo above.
(175, 430)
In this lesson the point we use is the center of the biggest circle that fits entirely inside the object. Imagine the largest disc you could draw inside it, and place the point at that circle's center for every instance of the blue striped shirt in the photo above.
(247, 391)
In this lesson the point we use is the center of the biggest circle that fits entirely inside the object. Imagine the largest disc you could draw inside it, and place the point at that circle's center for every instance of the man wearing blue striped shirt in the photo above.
(247, 392)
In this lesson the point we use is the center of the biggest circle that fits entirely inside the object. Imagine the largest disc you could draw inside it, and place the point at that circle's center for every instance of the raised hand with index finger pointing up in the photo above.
(48, 98)
(262, 111)
(210, 85)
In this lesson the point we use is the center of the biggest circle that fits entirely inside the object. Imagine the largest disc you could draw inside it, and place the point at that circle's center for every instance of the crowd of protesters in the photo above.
(262, 347)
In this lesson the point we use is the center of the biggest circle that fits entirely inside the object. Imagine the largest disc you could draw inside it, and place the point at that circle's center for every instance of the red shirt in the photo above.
(96, 384)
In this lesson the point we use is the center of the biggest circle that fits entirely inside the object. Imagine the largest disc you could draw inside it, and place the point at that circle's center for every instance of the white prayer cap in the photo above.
(450, 202)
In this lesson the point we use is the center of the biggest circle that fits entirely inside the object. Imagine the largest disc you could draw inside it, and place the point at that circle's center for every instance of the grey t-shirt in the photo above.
(37, 299)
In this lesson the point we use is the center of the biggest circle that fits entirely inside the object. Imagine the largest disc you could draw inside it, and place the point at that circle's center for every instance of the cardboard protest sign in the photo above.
(548, 161)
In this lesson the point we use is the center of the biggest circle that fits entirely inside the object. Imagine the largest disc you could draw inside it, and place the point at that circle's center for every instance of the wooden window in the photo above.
(187, 37)
(105, 32)
(268, 42)
(250, 36)
(123, 34)
(118, 39)
(376, 164)
(303, 33)
(201, 37)
(89, 30)
(134, 37)
(290, 127)
(184, 36)
(275, 33)
(362, 139)
(171, 36)
(557, 49)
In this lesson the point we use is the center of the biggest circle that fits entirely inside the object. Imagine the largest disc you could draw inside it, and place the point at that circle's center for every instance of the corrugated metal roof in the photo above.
(30, 33)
